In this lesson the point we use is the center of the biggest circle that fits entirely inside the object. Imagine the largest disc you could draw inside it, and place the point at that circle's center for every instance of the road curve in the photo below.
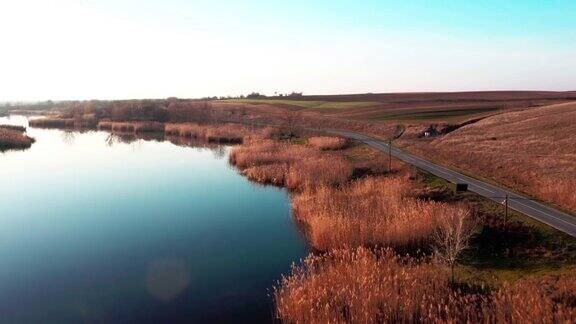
(553, 217)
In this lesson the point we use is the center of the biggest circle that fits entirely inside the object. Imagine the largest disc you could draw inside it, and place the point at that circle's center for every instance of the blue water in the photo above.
(94, 229)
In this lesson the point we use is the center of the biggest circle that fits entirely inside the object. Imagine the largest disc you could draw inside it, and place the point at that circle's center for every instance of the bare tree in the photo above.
(456, 227)
(290, 121)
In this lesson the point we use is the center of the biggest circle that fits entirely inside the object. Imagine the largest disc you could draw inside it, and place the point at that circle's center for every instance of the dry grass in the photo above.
(220, 133)
(369, 212)
(14, 139)
(21, 129)
(328, 142)
(360, 286)
(294, 166)
(532, 151)
(129, 127)
(64, 121)
(52, 122)
(268, 174)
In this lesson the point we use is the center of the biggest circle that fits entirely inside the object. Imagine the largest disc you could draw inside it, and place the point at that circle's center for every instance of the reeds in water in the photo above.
(14, 139)
(132, 127)
(296, 167)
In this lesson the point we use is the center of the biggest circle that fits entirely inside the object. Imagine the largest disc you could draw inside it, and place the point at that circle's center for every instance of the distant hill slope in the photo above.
(532, 150)
(440, 106)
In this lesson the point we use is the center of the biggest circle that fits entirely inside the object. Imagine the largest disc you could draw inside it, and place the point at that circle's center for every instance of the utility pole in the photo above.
(390, 155)
(506, 212)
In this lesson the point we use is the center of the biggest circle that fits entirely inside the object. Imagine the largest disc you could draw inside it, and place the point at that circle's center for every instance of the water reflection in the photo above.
(119, 228)
(219, 151)
(68, 137)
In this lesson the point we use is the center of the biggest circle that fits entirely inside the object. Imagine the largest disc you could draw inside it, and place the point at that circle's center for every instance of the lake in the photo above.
(99, 228)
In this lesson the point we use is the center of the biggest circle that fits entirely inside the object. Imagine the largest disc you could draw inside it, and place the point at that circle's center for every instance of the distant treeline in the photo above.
(257, 95)
(146, 104)
(160, 110)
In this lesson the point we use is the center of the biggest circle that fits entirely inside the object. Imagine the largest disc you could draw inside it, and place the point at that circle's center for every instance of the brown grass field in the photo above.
(533, 151)
(361, 286)
(14, 138)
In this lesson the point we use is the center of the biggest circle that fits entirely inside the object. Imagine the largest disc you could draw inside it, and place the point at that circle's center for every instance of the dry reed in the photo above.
(225, 133)
(52, 122)
(361, 286)
(14, 139)
(295, 166)
(328, 142)
(369, 212)
(129, 127)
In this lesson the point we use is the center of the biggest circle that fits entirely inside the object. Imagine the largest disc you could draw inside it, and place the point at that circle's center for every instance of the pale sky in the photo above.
(115, 49)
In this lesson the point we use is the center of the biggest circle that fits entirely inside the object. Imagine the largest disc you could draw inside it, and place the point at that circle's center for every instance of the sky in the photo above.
(121, 49)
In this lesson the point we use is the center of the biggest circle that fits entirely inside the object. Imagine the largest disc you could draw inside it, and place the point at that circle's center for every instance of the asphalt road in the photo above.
(553, 217)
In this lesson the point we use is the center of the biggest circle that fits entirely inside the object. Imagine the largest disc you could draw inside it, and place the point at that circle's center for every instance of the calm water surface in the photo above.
(94, 229)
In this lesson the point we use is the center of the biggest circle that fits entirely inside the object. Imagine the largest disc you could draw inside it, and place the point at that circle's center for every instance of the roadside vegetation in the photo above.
(532, 151)
(14, 138)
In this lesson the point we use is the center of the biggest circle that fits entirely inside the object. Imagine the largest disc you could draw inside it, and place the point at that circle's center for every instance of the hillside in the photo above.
(533, 151)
